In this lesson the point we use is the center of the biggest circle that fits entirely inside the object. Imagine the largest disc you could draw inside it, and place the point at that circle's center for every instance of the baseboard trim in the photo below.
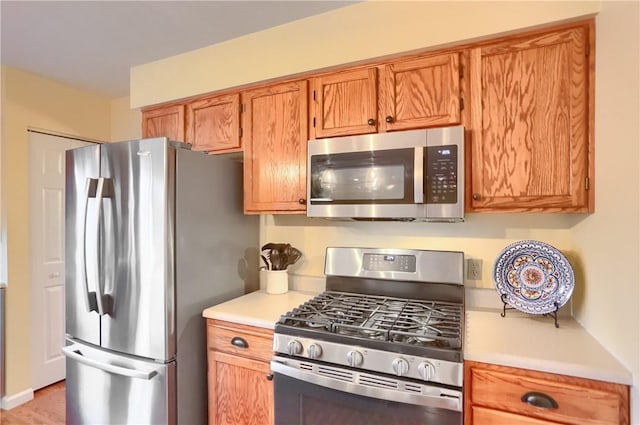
(9, 402)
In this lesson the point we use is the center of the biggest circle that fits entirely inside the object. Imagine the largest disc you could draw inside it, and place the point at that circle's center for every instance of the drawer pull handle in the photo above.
(540, 400)
(239, 342)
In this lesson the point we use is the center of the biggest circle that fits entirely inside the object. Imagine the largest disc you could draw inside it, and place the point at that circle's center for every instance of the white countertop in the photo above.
(533, 342)
(517, 340)
(258, 308)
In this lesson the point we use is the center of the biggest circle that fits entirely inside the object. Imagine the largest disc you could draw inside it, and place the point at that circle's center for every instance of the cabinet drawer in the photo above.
(230, 337)
(579, 401)
(484, 416)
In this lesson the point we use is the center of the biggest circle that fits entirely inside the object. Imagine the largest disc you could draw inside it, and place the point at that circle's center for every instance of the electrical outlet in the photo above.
(474, 269)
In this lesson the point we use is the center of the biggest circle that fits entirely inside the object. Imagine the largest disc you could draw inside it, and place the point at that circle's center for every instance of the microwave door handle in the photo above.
(103, 190)
(418, 174)
(90, 297)
(451, 401)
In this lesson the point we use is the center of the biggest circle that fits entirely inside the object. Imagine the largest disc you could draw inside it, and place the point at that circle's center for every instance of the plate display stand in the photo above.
(506, 306)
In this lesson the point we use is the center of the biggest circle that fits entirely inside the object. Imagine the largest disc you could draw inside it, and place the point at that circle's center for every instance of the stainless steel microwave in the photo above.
(405, 175)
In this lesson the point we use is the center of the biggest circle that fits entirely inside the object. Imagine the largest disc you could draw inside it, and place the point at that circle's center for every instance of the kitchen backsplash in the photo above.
(481, 236)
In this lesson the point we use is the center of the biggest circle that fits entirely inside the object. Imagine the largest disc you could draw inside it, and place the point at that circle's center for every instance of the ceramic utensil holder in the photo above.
(275, 281)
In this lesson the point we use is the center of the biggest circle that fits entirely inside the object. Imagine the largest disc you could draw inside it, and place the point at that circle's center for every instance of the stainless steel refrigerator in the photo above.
(154, 234)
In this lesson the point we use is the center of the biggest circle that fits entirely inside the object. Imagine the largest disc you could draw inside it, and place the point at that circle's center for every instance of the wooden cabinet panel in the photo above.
(345, 103)
(530, 141)
(214, 124)
(167, 121)
(579, 401)
(220, 337)
(275, 159)
(423, 92)
(239, 378)
(482, 416)
(239, 391)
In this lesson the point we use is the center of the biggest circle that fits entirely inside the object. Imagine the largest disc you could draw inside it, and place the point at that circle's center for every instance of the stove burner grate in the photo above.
(403, 321)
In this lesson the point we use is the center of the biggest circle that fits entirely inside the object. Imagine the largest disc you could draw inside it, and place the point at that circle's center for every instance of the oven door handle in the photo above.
(439, 398)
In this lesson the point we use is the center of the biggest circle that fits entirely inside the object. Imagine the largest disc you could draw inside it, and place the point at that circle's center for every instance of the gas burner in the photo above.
(401, 321)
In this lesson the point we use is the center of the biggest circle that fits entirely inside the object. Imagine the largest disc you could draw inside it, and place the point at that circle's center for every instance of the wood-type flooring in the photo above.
(46, 408)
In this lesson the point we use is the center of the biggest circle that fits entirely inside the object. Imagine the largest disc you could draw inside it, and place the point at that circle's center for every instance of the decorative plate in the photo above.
(533, 277)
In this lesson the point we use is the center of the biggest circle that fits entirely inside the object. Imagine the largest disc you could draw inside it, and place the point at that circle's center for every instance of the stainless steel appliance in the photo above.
(405, 175)
(382, 345)
(154, 234)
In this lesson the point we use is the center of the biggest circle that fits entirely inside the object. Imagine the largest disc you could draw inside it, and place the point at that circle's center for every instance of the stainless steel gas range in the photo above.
(382, 345)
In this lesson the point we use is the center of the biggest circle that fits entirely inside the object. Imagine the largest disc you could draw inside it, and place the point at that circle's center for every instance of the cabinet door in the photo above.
(422, 92)
(530, 146)
(275, 159)
(167, 121)
(214, 124)
(240, 391)
(345, 103)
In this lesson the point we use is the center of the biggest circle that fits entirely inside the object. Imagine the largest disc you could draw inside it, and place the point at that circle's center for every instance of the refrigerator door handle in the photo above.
(73, 352)
(104, 189)
(90, 297)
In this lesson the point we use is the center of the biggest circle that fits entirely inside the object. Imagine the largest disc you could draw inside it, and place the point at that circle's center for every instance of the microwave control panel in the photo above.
(441, 171)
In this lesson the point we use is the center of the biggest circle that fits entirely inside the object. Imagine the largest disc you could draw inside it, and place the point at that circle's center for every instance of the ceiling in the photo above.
(93, 44)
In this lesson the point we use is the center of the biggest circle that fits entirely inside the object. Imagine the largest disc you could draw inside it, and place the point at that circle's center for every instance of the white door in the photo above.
(46, 189)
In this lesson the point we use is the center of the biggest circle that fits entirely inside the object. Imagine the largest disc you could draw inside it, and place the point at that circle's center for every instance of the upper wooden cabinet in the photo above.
(275, 124)
(213, 123)
(422, 92)
(166, 121)
(531, 148)
(345, 103)
(417, 93)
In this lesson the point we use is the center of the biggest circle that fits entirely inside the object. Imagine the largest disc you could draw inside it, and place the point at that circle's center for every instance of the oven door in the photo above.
(309, 393)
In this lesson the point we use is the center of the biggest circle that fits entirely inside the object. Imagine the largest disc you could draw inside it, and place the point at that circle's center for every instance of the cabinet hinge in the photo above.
(460, 70)
(461, 104)
(314, 95)
(586, 183)
(240, 132)
(587, 50)
(314, 122)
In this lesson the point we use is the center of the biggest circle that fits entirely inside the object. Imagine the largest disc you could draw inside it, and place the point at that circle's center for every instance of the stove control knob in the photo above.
(400, 366)
(315, 351)
(354, 358)
(426, 370)
(294, 347)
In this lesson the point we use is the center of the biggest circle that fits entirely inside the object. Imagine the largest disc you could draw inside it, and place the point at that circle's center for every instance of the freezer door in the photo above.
(81, 244)
(137, 267)
(104, 388)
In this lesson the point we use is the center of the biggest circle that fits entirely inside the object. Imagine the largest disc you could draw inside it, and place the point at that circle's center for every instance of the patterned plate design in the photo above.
(533, 276)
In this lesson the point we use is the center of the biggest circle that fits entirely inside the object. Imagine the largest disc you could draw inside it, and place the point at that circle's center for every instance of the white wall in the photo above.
(126, 123)
(366, 30)
(608, 241)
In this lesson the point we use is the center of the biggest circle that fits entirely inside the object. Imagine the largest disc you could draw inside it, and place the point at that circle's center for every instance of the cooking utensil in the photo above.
(279, 256)
(266, 261)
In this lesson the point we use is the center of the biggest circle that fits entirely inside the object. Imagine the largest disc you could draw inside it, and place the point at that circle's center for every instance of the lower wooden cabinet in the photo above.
(500, 395)
(240, 385)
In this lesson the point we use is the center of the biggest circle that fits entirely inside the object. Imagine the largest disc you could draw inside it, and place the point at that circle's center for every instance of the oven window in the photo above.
(385, 176)
(301, 403)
